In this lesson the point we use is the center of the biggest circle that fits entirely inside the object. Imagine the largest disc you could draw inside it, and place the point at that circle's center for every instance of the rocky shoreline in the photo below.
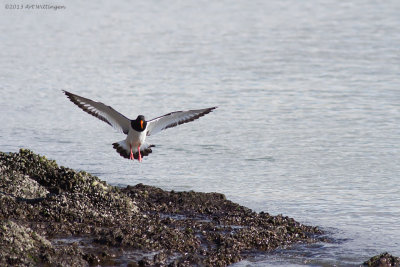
(55, 216)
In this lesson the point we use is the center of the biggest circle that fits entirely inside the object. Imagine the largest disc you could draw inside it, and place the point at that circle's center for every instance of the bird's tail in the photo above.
(124, 149)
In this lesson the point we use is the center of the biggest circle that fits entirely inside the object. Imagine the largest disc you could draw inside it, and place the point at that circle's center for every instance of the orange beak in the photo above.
(141, 124)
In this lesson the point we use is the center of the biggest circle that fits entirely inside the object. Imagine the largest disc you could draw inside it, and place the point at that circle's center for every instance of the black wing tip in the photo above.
(73, 99)
(211, 109)
(69, 94)
(208, 110)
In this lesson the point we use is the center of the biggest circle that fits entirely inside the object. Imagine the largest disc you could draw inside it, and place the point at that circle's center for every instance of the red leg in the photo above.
(131, 156)
(140, 156)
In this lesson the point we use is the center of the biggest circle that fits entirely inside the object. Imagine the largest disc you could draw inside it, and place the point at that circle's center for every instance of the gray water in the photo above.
(308, 123)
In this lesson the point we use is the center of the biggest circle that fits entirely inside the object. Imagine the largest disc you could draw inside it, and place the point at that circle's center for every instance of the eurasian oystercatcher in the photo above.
(134, 146)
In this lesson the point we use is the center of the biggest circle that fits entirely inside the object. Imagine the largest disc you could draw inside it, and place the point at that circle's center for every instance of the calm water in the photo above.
(308, 123)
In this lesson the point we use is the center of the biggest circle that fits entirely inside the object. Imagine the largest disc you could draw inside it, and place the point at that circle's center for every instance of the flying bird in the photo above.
(134, 145)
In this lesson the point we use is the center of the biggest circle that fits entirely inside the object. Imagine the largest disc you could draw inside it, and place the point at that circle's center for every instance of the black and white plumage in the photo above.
(134, 146)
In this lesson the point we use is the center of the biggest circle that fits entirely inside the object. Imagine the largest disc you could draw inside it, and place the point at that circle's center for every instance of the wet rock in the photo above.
(383, 260)
(75, 216)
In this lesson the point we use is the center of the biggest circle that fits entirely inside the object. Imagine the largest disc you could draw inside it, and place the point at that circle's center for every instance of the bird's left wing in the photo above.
(173, 119)
(101, 111)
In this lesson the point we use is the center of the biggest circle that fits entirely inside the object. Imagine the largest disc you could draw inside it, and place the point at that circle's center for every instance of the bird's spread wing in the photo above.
(101, 111)
(175, 118)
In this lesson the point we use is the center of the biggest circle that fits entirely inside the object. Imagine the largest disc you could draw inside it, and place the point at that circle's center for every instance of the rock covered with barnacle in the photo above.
(56, 216)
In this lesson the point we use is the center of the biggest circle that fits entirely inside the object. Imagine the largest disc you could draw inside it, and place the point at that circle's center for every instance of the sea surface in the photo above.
(308, 96)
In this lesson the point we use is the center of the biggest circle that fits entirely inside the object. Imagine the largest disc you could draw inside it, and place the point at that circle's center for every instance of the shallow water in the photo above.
(308, 95)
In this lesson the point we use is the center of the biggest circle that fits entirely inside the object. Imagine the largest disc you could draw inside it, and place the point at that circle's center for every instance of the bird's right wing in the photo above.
(173, 119)
(101, 111)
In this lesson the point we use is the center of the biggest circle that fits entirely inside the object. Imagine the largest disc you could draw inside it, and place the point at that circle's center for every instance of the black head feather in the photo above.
(139, 124)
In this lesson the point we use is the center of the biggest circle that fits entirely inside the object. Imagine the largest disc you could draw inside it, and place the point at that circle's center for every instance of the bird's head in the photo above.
(139, 124)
